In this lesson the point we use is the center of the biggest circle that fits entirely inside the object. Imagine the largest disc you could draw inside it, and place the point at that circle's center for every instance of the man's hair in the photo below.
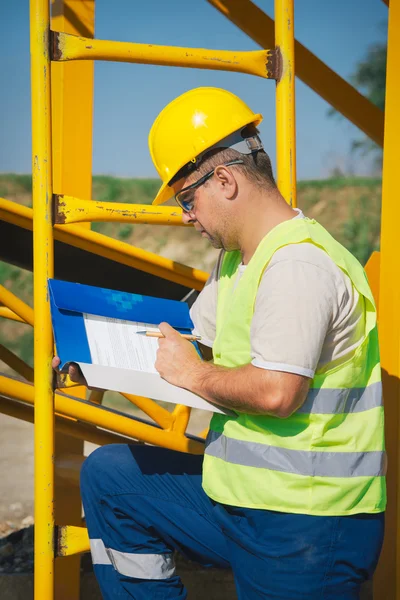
(256, 167)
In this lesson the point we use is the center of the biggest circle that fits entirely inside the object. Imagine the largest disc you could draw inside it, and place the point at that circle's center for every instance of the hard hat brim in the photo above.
(164, 193)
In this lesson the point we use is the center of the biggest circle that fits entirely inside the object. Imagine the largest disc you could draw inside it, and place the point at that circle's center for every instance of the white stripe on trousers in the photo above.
(130, 564)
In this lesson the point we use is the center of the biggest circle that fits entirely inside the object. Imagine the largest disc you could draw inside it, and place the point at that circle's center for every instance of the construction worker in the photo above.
(291, 493)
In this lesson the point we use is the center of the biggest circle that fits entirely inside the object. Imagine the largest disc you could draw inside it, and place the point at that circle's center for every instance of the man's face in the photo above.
(205, 212)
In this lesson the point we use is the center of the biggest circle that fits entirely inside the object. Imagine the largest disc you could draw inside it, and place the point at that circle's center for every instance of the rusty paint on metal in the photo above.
(275, 64)
(55, 50)
(218, 59)
(60, 542)
(59, 216)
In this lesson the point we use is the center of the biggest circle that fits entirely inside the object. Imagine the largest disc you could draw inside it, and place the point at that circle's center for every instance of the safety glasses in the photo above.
(185, 198)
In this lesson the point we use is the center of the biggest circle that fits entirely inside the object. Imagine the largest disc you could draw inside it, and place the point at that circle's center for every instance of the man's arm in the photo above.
(245, 389)
(252, 390)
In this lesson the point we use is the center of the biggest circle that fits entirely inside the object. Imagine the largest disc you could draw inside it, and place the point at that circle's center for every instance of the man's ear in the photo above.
(226, 181)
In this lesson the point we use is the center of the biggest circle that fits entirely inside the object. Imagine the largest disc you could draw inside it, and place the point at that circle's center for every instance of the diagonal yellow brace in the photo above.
(7, 313)
(17, 306)
(72, 47)
(71, 540)
(73, 210)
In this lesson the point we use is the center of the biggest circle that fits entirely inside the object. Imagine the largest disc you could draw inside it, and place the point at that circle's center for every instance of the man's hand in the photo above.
(74, 372)
(177, 359)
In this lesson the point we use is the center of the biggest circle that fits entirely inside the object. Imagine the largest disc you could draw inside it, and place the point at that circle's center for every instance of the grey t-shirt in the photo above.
(307, 312)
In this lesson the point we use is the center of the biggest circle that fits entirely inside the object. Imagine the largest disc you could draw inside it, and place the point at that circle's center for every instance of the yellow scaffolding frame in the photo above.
(85, 420)
(51, 52)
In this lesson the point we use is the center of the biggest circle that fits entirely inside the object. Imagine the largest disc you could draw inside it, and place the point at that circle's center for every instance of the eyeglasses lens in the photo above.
(185, 199)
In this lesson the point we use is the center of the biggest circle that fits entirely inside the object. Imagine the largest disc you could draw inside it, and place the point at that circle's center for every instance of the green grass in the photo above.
(114, 189)
(22, 181)
(142, 191)
(336, 183)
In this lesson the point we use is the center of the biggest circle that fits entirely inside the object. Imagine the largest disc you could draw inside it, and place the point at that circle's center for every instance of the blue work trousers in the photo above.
(142, 503)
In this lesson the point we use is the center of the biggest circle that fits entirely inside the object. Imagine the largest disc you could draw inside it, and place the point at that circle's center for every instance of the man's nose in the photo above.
(188, 217)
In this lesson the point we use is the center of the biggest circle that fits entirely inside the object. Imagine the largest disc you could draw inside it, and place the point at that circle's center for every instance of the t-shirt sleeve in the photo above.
(294, 308)
(204, 310)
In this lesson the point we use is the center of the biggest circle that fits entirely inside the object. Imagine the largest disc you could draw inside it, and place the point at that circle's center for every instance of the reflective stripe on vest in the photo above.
(325, 401)
(132, 564)
(300, 462)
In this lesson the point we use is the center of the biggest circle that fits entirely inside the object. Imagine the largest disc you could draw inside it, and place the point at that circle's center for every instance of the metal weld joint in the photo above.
(274, 64)
(55, 51)
(58, 215)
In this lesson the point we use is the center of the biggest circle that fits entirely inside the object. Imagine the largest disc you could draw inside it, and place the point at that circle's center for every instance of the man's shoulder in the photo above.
(305, 252)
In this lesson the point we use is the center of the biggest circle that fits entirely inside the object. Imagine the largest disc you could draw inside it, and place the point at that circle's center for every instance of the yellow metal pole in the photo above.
(74, 210)
(43, 268)
(285, 101)
(256, 62)
(72, 118)
(387, 577)
(72, 103)
(309, 68)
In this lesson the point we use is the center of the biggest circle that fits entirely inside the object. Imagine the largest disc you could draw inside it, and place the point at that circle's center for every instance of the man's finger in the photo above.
(55, 362)
(167, 330)
(75, 374)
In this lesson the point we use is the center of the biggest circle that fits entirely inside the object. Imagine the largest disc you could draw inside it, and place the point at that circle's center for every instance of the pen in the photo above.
(158, 334)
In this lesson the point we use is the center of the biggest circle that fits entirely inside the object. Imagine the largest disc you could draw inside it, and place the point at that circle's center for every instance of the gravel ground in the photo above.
(16, 470)
(16, 496)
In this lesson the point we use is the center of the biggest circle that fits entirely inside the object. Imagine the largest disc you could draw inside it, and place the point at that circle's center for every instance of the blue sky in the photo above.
(128, 97)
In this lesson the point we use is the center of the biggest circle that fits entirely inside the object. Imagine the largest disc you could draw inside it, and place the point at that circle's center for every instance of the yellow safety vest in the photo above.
(328, 458)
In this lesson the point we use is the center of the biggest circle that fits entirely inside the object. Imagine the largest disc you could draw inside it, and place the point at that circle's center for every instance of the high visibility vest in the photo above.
(328, 457)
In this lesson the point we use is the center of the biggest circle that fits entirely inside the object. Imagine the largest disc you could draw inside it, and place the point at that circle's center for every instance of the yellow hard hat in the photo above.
(192, 124)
